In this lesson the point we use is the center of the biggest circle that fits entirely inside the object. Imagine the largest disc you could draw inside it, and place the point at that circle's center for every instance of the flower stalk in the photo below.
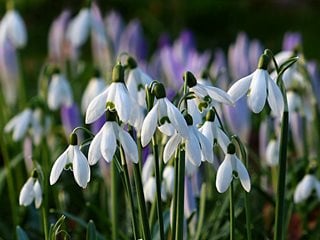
(180, 196)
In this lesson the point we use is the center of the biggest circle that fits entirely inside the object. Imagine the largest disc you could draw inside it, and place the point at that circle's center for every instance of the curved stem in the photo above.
(114, 199)
(175, 195)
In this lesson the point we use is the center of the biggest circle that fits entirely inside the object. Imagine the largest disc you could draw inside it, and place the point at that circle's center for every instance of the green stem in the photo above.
(232, 232)
(129, 194)
(202, 210)
(114, 199)
(158, 185)
(140, 196)
(175, 195)
(280, 210)
(45, 221)
(180, 199)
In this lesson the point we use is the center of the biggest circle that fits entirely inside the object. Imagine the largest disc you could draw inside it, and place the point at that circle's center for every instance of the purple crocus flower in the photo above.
(56, 41)
(114, 27)
(315, 78)
(291, 40)
(97, 125)
(70, 118)
(255, 51)
(9, 71)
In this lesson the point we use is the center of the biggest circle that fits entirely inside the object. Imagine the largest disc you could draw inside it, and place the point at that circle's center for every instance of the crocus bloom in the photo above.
(231, 164)
(305, 188)
(197, 146)
(162, 109)
(259, 87)
(74, 159)
(104, 144)
(59, 92)
(31, 191)
(115, 96)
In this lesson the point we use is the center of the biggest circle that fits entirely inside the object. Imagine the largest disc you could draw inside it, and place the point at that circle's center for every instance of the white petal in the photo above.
(206, 148)
(108, 142)
(94, 88)
(97, 107)
(167, 129)
(37, 194)
(219, 95)
(15, 28)
(168, 177)
(304, 188)
(171, 147)
(123, 102)
(240, 88)
(149, 125)
(243, 175)
(193, 152)
(94, 153)
(149, 189)
(81, 169)
(223, 140)
(59, 165)
(129, 145)
(275, 98)
(258, 90)
(176, 119)
(206, 130)
(27, 194)
(272, 152)
(224, 174)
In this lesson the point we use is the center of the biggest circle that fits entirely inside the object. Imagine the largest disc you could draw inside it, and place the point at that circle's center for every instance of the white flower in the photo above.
(259, 86)
(104, 144)
(19, 124)
(136, 81)
(213, 132)
(59, 92)
(161, 112)
(94, 88)
(147, 169)
(230, 164)
(305, 188)
(197, 146)
(78, 29)
(74, 157)
(168, 178)
(149, 189)
(272, 152)
(14, 29)
(30, 191)
(116, 96)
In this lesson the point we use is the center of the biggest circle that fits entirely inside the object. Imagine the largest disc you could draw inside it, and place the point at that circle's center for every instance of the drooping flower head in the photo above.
(260, 87)
(72, 158)
(31, 191)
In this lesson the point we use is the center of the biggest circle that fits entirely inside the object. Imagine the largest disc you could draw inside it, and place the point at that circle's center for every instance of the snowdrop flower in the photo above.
(147, 169)
(94, 88)
(78, 29)
(104, 144)
(114, 97)
(136, 81)
(197, 146)
(59, 92)
(272, 152)
(31, 191)
(72, 158)
(201, 90)
(213, 131)
(168, 178)
(161, 112)
(149, 189)
(305, 188)
(19, 124)
(259, 87)
(14, 29)
(226, 171)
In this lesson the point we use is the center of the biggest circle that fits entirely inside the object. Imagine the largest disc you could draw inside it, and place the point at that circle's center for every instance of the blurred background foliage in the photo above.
(214, 22)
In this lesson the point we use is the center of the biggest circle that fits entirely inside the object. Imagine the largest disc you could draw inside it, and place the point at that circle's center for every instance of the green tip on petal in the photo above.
(73, 139)
(159, 90)
(132, 63)
(188, 119)
(190, 79)
(118, 73)
(231, 149)
(210, 116)
(264, 61)
(111, 116)
(34, 174)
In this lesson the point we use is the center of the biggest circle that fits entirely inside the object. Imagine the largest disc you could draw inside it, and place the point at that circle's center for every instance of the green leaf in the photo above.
(55, 228)
(91, 231)
(21, 235)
